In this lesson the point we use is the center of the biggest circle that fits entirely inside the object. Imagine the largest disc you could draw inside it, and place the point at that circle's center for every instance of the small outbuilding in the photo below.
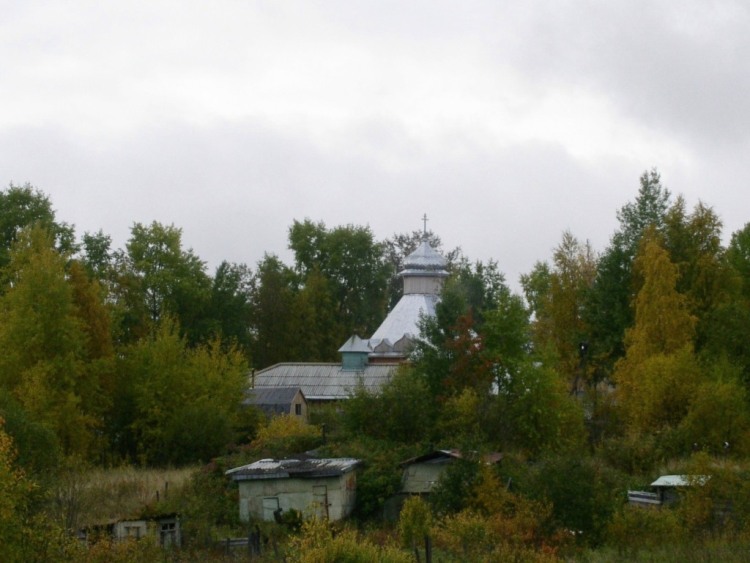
(275, 401)
(665, 490)
(325, 488)
(422, 473)
(164, 528)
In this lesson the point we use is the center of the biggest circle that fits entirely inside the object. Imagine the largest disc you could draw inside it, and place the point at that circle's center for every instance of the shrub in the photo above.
(285, 435)
(318, 544)
(415, 521)
(634, 528)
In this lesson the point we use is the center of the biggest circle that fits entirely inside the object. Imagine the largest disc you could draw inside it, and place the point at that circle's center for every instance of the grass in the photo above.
(98, 496)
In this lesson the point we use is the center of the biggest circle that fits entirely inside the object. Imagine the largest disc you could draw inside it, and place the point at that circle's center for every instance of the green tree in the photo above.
(354, 265)
(582, 492)
(718, 420)
(24, 206)
(728, 323)
(161, 278)
(15, 496)
(534, 411)
(319, 330)
(609, 304)
(507, 334)
(658, 375)
(401, 411)
(738, 255)
(97, 255)
(705, 276)
(230, 306)
(178, 404)
(558, 295)
(273, 313)
(451, 353)
(45, 343)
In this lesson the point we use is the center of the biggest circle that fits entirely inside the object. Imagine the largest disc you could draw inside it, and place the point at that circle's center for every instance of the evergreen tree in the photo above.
(609, 311)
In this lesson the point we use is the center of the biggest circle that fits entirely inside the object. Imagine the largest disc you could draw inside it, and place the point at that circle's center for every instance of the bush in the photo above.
(583, 492)
(318, 544)
(285, 435)
(415, 521)
(633, 529)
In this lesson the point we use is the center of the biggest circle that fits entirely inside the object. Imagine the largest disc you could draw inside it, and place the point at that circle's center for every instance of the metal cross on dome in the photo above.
(424, 219)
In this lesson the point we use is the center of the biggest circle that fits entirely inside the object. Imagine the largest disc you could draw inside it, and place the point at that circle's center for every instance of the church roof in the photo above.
(404, 318)
(355, 344)
(424, 258)
(324, 381)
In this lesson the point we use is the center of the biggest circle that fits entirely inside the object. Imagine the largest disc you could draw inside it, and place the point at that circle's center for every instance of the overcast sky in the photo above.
(507, 123)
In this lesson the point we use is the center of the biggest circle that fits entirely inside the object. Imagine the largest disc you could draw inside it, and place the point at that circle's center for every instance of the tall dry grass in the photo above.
(86, 497)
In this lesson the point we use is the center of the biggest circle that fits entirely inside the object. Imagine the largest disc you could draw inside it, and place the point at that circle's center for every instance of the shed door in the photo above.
(320, 500)
(270, 505)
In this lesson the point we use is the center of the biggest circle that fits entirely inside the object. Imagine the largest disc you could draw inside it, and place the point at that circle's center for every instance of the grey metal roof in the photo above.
(404, 317)
(355, 344)
(680, 480)
(272, 399)
(441, 456)
(324, 381)
(310, 468)
(424, 258)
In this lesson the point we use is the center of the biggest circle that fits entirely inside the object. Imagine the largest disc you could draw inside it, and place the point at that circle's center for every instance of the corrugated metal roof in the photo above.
(324, 381)
(298, 468)
(404, 318)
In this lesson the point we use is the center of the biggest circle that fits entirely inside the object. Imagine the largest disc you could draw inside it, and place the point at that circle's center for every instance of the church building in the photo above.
(370, 362)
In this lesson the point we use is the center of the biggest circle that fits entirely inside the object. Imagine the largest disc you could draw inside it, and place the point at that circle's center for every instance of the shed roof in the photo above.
(680, 480)
(440, 456)
(277, 399)
(324, 381)
(304, 468)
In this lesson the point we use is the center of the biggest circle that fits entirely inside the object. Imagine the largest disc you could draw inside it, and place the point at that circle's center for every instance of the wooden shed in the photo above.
(275, 401)
(422, 473)
(325, 488)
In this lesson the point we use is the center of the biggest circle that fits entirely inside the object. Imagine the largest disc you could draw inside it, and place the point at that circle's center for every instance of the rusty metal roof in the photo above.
(324, 381)
(306, 468)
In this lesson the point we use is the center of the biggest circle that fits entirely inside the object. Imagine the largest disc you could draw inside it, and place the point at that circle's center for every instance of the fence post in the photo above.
(427, 549)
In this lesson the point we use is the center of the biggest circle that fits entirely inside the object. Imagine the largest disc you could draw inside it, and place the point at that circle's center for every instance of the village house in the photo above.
(268, 488)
